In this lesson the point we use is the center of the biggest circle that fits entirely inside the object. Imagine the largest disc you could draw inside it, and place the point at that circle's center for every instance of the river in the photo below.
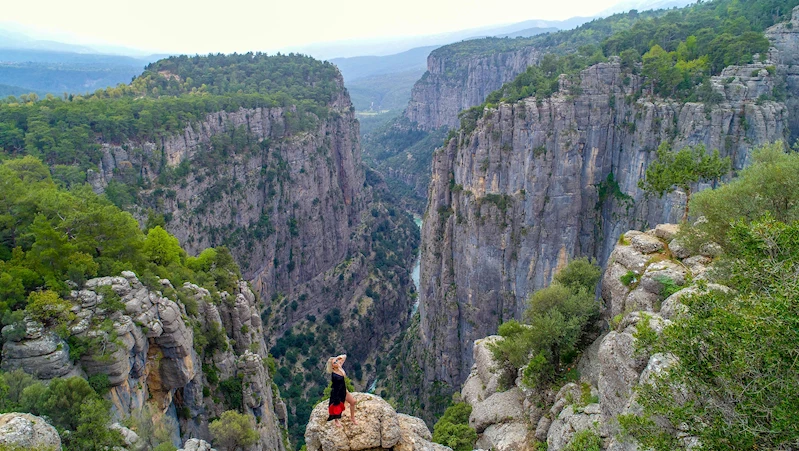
(415, 272)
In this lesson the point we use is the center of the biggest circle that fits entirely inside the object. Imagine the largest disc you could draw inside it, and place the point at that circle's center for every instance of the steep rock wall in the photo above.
(454, 84)
(540, 182)
(610, 368)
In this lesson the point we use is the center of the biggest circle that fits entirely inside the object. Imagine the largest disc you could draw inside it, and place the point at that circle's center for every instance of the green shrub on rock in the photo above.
(453, 429)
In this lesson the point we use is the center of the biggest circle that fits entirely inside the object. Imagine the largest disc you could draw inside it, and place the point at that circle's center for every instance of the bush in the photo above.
(768, 186)
(453, 429)
(585, 440)
(233, 430)
(557, 317)
(736, 352)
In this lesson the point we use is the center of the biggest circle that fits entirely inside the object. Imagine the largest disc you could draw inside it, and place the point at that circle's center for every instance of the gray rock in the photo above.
(511, 436)
(666, 232)
(194, 444)
(500, 407)
(28, 431)
(644, 243)
(45, 357)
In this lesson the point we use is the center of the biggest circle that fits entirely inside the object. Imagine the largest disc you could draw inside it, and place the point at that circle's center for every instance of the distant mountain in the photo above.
(364, 66)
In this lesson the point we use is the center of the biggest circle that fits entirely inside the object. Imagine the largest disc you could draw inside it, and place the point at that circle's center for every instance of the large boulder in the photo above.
(502, 407)
(28, 432)
(194, 444)
(379, 426)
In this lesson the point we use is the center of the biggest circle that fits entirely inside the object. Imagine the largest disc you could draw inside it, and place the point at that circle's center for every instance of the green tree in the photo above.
(556, 319)
(233, 430)
(49, 308)
(453, 429)
(161, 248)
(768, 186)
(682, 169)
(93, 431)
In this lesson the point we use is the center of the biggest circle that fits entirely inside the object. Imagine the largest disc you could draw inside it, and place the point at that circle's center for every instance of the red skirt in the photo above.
(334, 411)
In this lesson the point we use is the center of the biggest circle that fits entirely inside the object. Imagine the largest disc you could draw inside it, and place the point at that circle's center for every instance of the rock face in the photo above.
(451, 85)
(610, 368)
(540, 182)
(28, 432)
(379, 427)
(149, 352)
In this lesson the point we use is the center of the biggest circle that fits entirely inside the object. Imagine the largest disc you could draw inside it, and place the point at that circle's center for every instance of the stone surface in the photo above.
(500, 407)
(28, 431)
(194, 444)
(379, 426)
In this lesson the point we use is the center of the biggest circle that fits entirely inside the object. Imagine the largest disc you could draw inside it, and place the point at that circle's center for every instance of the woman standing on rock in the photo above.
(339, 394)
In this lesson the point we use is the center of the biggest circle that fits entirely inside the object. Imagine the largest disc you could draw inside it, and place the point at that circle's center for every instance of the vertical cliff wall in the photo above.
(452, 84)
(542, 181)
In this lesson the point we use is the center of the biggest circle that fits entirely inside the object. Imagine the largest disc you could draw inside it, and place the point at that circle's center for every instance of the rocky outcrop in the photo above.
(196, 445)
(25, 431)
(610, 368)
(543, 181)
(145, 343)
(379, 427)
(37, 352)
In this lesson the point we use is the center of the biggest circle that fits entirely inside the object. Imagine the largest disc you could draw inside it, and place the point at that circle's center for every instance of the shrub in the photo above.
(557, 318)
(453, 429)
(233, 430)
(585, 440)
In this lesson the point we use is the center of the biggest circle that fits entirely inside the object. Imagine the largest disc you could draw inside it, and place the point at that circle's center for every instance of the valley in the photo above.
(522, 237)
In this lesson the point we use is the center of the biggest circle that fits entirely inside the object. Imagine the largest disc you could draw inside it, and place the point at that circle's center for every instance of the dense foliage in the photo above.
(453, 429)
(556, 320)
(733, 383)
(50, 236)
(71, 405)
(768, 185)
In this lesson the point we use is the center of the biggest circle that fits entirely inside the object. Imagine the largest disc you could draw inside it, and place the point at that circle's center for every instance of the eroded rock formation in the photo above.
(379, 427)
(609, 369)
(542, 181)
(147, 347)
(25, 431)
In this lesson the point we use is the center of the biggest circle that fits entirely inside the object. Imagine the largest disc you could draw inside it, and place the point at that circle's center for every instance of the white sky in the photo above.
(201, 26)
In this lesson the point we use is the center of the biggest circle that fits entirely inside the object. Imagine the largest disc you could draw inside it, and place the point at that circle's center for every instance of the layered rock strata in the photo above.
(293, 205)
(543, 181)
(451, 85)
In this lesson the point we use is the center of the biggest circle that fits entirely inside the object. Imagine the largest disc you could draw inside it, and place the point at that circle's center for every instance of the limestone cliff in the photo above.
(542, 181)
(160, 374)
(610, 368)
(451, 85)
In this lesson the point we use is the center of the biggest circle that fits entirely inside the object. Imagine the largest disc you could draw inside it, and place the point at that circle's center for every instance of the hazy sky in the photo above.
(202, 26)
